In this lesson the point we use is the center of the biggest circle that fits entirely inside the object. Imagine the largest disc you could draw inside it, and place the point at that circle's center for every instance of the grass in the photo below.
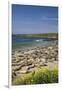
(19, 45)
(40, 76)
(41, 35)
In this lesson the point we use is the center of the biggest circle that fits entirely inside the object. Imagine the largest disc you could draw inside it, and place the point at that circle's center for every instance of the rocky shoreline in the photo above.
(28, 60)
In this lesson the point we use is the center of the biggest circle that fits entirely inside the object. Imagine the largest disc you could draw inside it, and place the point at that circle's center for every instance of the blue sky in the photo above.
(34, 19)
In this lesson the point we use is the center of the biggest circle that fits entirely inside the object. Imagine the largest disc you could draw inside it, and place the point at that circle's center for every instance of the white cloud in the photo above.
(48, 18)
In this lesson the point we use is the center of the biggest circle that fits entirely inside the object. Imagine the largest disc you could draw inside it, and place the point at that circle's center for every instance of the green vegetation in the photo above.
(43, 35)
(40, 76)
(19, 45)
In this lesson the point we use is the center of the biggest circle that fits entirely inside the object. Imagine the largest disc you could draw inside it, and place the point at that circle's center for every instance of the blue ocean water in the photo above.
(23, 41)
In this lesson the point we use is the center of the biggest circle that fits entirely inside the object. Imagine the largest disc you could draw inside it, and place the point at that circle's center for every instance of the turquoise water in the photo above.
(21, 41)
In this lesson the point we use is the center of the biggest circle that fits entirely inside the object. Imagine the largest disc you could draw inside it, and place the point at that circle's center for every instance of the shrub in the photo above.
(40, 76)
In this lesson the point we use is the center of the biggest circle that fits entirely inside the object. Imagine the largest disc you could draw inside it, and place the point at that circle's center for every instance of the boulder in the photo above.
(22, 72)
(30, 66)
(43, 60)
(50, 47)
(16, 68)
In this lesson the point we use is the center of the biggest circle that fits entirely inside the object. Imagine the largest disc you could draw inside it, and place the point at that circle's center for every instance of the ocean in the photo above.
(23, 41)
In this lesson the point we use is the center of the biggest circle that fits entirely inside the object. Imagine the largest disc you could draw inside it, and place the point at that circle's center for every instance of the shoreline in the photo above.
(33, 46)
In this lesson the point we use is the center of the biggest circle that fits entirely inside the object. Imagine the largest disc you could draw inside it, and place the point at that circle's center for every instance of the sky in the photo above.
(28, 19)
